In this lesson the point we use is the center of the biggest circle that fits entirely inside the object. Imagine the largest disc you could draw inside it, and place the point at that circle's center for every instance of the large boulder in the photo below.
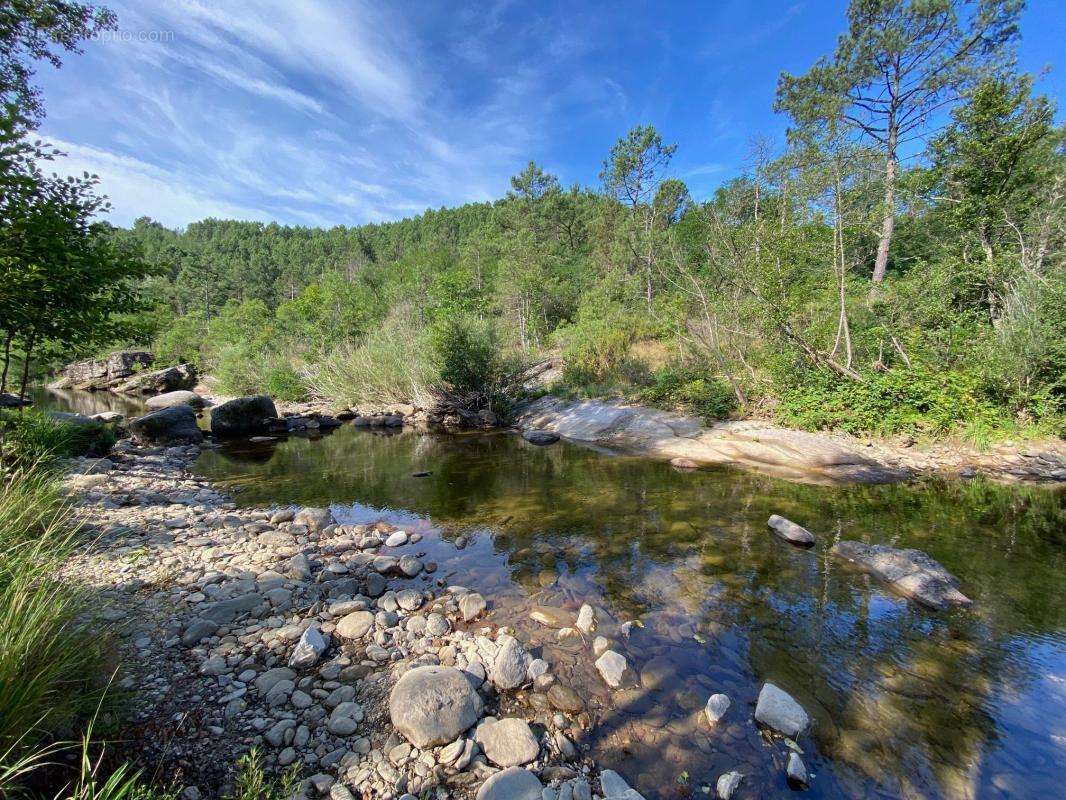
(168, 379)
(12, 401)
(243, 416)
(790, 531)
(181, 397)
(431, 706)
(912, 573)
(175, 425)
(102, 373)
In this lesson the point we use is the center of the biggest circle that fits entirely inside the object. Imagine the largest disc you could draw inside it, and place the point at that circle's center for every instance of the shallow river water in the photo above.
(909, 703)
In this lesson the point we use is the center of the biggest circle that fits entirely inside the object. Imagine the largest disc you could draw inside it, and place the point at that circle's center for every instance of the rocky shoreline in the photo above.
(333, 647)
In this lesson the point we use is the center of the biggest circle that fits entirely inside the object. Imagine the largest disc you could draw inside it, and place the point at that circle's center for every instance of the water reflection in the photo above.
(967, 704)
(85, 403)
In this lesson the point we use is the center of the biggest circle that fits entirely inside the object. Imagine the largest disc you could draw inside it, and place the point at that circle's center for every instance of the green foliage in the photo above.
(691, 389)
(29, 437)
(920, 400)
(253, 783)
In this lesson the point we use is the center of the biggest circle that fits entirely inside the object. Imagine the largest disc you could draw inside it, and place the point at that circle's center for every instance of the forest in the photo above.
(895, 265)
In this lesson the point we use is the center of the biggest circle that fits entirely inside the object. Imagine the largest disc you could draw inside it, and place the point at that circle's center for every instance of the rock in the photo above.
(270, 679)
(912, 573)
(168, 379)
(551, 617)
(658, 672)
(509, 666)
(355, 625)
(108, 417)
(796, 771)
(716, 708)
(563, 698)
(396, 539)
(612, 667)
(507, 742)
(684, 464)
(431, 706)
(586, 619)
(314, 518)
(243, 416)
(409, 599)
(513, 783)
(198, 629)
(345, 718)
(790, 531)
(178, 398)
(309, 649)
(615, 787)
(8, 400)
(540, 438)
(102, 373)
(176, 425)
(777, 709)
(228, 610)
(728, 784)
(668, 435)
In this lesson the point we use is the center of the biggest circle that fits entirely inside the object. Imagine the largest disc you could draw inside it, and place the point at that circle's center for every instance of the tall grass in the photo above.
(54, 657)
(30, 438)
(394, 364)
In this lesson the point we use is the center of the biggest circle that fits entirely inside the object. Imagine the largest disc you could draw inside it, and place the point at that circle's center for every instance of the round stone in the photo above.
(513, 783)
(431, 706)
(355, 625)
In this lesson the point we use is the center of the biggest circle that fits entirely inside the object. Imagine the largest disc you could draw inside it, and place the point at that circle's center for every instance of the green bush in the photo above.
(692, 389)
(282, 381)
(917, 400)
(29, 437)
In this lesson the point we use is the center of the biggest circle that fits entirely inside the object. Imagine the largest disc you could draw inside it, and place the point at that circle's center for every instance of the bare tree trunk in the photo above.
(888, 225)
(7, 360)
(26, 366)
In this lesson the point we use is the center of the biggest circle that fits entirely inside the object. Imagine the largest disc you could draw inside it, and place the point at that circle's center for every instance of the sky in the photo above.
(314, 112)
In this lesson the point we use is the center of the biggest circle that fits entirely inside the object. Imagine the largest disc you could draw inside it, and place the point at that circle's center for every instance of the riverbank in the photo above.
(281, 630)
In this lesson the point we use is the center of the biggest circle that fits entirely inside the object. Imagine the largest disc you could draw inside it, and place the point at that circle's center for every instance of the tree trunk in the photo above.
(26, 366)
(888, 225)
(7, 360)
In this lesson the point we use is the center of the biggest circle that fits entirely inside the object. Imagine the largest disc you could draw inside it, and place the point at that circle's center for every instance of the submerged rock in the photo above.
(777, 709)
(431, 706)
(796, 772)
(615, 787)
(791, 532)
(912, 573)
(541, 438)
(716, 708)
(728, 784)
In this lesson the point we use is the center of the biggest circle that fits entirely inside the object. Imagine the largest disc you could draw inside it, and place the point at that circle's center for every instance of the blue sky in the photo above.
(314, 112)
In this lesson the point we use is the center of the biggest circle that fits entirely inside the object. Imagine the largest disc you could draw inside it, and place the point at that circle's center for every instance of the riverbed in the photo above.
(969, 703)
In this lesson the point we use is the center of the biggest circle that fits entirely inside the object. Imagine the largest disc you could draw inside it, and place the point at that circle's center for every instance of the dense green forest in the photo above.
(896, 264)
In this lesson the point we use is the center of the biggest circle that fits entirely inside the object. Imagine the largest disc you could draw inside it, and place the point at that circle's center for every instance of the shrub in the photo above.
(917, 400)
(253, 783)
(29, 437)
(692, 389)
(282, 381)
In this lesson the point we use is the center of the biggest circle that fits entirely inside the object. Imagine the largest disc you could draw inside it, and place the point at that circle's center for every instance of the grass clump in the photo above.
(31, 438)
(253, 783)
(54, 657)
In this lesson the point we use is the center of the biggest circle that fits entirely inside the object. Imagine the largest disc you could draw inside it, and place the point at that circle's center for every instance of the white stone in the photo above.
(777, 709)
(716, 708)
(612, 667)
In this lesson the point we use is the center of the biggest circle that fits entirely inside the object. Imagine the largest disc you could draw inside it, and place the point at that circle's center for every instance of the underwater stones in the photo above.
(513, 783)
(658, 672)
(791, 532)
(563, 698)
(355, 625)
(912, 573)
(551, 617)
(728, 784)
(796, 771)
(716, 708)
(431, 706)
(540, 438)
(507, 742)
(586, 619)
(615, 787)
(777, 709)
(471, 606)
(612, 666)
